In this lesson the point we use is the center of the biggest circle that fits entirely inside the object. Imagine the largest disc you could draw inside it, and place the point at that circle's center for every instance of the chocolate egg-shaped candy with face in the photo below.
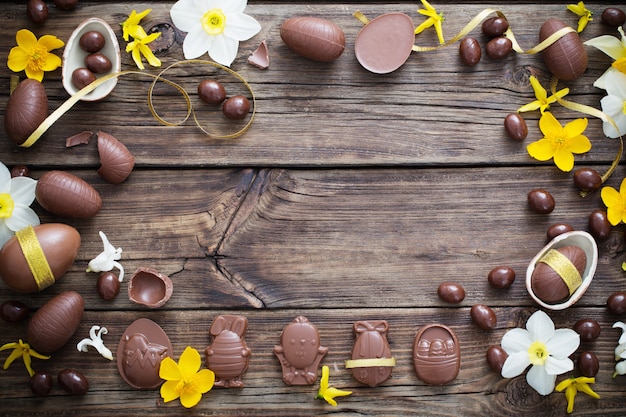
(313, 38)
(26, 109)
(54, 324)
(567, 57)
(67, 195)
(228, 355)
(371, 343)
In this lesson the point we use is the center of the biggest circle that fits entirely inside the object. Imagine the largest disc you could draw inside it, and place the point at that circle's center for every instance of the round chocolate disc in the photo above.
(385, 43)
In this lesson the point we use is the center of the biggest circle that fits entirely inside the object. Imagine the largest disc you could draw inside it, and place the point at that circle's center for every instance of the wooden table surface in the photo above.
(351, 197)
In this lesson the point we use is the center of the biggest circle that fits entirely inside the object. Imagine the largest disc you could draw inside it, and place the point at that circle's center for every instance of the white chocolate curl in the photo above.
(95, 340)
(107, 259)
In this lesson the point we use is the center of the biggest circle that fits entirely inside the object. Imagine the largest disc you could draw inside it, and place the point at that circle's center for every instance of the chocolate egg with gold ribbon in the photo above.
(36, 257)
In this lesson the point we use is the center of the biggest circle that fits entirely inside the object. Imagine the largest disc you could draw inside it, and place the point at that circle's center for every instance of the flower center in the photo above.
(185, 385)
(38, 56)
(214, 22)
(620, 64)
(6, 206)
(538, 353)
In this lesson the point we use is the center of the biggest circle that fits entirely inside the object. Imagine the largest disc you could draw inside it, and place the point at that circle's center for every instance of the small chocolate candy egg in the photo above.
(82, 77)
(211, 91)
(501, 277)
(499, 48)
(20, 171)
(567, 57)
(436, 354)
(483, 316)
(41, 383)
(599, 225)
(587, 179)
(37, 11)
(616, 303)
(515, 126)
(558, 229)
(108, 286)
(236, 107)
(313, 38)
(59, 245)
(470, 51)
(98, 63)
(451, 292)
(614, 17)
(588, 329)
(116, 161)
(54, 324)
(588, 364)
(13, 311)
(541, 201)
(551, 285)
(67, 195)
(92, 41)
(73, 382)
(495, 26)
(66, 4)
(496, 356)
(26, 109)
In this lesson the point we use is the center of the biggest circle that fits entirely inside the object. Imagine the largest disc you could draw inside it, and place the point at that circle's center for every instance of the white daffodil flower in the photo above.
(107, 259)
(614, 48)
(95, 340)
(541, 346)
(621, 325)
(16, 196)
(614, 103)
(213, 26)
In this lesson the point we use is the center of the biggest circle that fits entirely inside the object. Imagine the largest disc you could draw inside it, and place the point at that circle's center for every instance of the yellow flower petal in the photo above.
(18, 59)
(34, 74)
(579, 144)
(52, 62)
(575, 127)
(615, 214)
(50, 42)
(564, 160)
(583, 387)
(169, 370)
(26, 39)
(324, 379)
(17, 353)
(168, 390)
(570, 395)
(549, 125)
(190, 398)
(204, 380)
(564, 384)
(136, 54)
(610, 196)
(542, 150)
(189, 362)
(152, 60)
(332, 392)
(540, 93)
(534, 105)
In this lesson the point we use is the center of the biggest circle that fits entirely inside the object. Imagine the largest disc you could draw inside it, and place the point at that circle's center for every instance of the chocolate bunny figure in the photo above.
(228, 356)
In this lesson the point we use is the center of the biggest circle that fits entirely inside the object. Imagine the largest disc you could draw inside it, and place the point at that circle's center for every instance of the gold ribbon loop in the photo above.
(564, 268)
(35, 257)
(369, 363)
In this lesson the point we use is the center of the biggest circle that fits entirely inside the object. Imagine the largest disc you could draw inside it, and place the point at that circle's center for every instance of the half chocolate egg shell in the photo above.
(150, 288)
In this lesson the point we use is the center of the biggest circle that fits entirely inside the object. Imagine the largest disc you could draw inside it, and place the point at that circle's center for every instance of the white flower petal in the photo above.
(620, 351)
(616, 84)
(620, 368)
(563, 343)
(601, 81)
(540, 326)
(540, 380)
(608, 44)
(554, 366)
(516, 340)
(23, 190)
(240, 26)
(22, 216)
(515, 364)
(224, 50)
(185, 15)
(5, 234)
(5, 179)
(197, 43)
(620, 325)
(235, 6)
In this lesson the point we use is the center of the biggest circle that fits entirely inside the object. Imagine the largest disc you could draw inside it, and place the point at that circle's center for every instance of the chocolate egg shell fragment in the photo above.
(385, 43)
(67, 195)
(260, 58)
(26, 109)
(150, 288)
(313, 38)
(54, 324)
(59, 244)
(142, 347)
(116, 160)
(548, 284)
(371, 343)
(567, 57)
(436, 354)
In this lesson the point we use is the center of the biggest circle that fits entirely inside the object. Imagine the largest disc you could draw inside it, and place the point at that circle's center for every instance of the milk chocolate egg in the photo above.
(26, 109)
(436, 354)
(313, 38)
(558, 273)
(54, 324)
(116, 160)
(59, 245)
(567, 57)
(67, 195)
(371, 362)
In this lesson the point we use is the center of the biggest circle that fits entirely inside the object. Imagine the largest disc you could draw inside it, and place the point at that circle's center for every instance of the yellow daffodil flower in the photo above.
(543, 101)
(131, 25)
(574, 385)
(329, 393)
(33, 55)
(184, 379)
(584, 13)
(615, 201)
(560, 142)
(139, 47)
(23, 350)
(434, 19)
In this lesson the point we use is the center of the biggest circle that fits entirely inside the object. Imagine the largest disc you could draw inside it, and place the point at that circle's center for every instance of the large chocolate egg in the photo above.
(59, 246)
(26, 109)
(549, 280)
(116, 160)
(67, 195)
(313, 38)
(54, 324)
(567, 57)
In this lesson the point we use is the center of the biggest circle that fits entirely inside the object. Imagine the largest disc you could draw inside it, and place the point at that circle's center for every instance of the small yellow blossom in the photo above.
(329, 393)
(615, 201)
(543, 101)
(131, 25)
(33, 55)
(185, 379)
(560, 142)
(574, 385)
(434, 19)
(139, 47)
(584, 13)
(23, 350)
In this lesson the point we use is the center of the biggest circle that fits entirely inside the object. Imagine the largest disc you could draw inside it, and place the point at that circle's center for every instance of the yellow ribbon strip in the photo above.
(69, 103)
(35, 257)
(369, 363)
(564, 268)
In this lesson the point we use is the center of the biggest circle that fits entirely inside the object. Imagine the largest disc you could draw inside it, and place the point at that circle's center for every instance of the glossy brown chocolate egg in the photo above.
(228, 355)
(496, 356)
(499, 48)
(41, 383)
(26, 109)
(451, 292)
(599, 225)
(614, 17)
(14, 311)
(371, 343)
(67, 195)
(73, 382)
(37, 11)
(98, 63)
(116, 161)
(515, 126)
(436, 354)
(495, 26)
(587, 179)
(60, 244)
(541, 201)
(483, 316)
(567, 57)
(108, 286)
(92, 41)
(501, 277)
(470, 52)
(558, 229)
(588, 329)
(236, 107)
(616, 303)
(54, 324)
(588, 364)
(547, 284)
(211, 91)
(82, 77)
(313, 38)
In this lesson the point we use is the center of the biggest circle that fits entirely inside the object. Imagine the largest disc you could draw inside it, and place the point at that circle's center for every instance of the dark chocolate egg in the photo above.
(59, 244)
(67, 195)
(567, 57)
(116, 160)
(26, 109)
(313, 38)
(547, 284)
(54, 324)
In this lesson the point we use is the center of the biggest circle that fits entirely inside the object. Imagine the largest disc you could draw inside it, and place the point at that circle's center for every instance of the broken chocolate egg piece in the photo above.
(150, 288)
(260, 57)
(80, 138)
(116, 160)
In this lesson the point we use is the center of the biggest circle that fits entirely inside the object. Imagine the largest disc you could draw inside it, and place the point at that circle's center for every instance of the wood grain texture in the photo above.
(352, 196)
